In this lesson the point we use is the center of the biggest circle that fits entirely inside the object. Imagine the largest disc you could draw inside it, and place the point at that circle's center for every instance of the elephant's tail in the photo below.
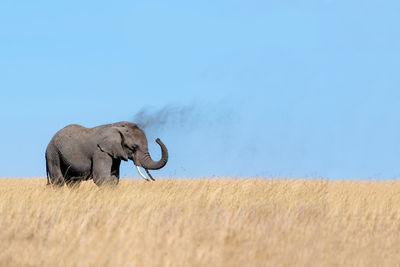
(47, 170)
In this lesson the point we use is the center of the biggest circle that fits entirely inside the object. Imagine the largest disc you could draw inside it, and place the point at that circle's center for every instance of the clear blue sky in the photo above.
(290, 88)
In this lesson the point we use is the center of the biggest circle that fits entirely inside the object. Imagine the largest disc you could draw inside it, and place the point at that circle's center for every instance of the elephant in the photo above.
(76, 154)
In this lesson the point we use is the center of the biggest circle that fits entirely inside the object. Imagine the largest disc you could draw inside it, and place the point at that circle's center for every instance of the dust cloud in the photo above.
(161, 119)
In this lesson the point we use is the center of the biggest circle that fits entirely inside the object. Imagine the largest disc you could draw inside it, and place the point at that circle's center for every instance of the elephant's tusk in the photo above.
(148, 173)
(141, 174)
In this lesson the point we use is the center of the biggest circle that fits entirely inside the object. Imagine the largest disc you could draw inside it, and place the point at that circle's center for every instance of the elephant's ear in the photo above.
(110, 141)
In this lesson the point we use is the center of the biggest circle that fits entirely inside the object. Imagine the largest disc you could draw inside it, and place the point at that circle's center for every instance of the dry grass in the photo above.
(201, 222)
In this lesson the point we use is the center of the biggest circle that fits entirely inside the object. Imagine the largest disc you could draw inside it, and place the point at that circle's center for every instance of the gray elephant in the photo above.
(76, 153)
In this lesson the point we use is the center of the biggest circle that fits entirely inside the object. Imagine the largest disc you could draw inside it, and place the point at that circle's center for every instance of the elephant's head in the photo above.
(125, 140)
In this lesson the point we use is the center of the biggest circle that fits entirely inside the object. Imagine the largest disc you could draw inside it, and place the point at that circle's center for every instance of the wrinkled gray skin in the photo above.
(76, 153)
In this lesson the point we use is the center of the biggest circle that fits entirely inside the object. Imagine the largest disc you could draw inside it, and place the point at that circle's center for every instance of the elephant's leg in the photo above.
(54, 169)
(115, 167)
(102, 166)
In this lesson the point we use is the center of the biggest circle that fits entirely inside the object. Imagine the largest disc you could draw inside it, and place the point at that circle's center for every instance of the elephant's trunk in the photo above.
(150, 164)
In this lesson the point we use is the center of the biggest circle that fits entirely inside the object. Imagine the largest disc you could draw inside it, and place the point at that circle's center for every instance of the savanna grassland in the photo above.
(201, 222)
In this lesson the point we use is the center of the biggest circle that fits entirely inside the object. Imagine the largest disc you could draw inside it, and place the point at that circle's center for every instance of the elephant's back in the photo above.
(71, 137)
(71, 131)
(72, 128)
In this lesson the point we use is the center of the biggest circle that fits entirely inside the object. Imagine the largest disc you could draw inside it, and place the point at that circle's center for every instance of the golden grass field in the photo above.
(201, 222)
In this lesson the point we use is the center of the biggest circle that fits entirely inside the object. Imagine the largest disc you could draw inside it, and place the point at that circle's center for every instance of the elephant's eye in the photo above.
(130, 148)
(133, 147)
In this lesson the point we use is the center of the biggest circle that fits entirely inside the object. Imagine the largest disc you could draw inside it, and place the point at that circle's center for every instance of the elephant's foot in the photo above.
(56, 182)
(109, 181)
(73, 183)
